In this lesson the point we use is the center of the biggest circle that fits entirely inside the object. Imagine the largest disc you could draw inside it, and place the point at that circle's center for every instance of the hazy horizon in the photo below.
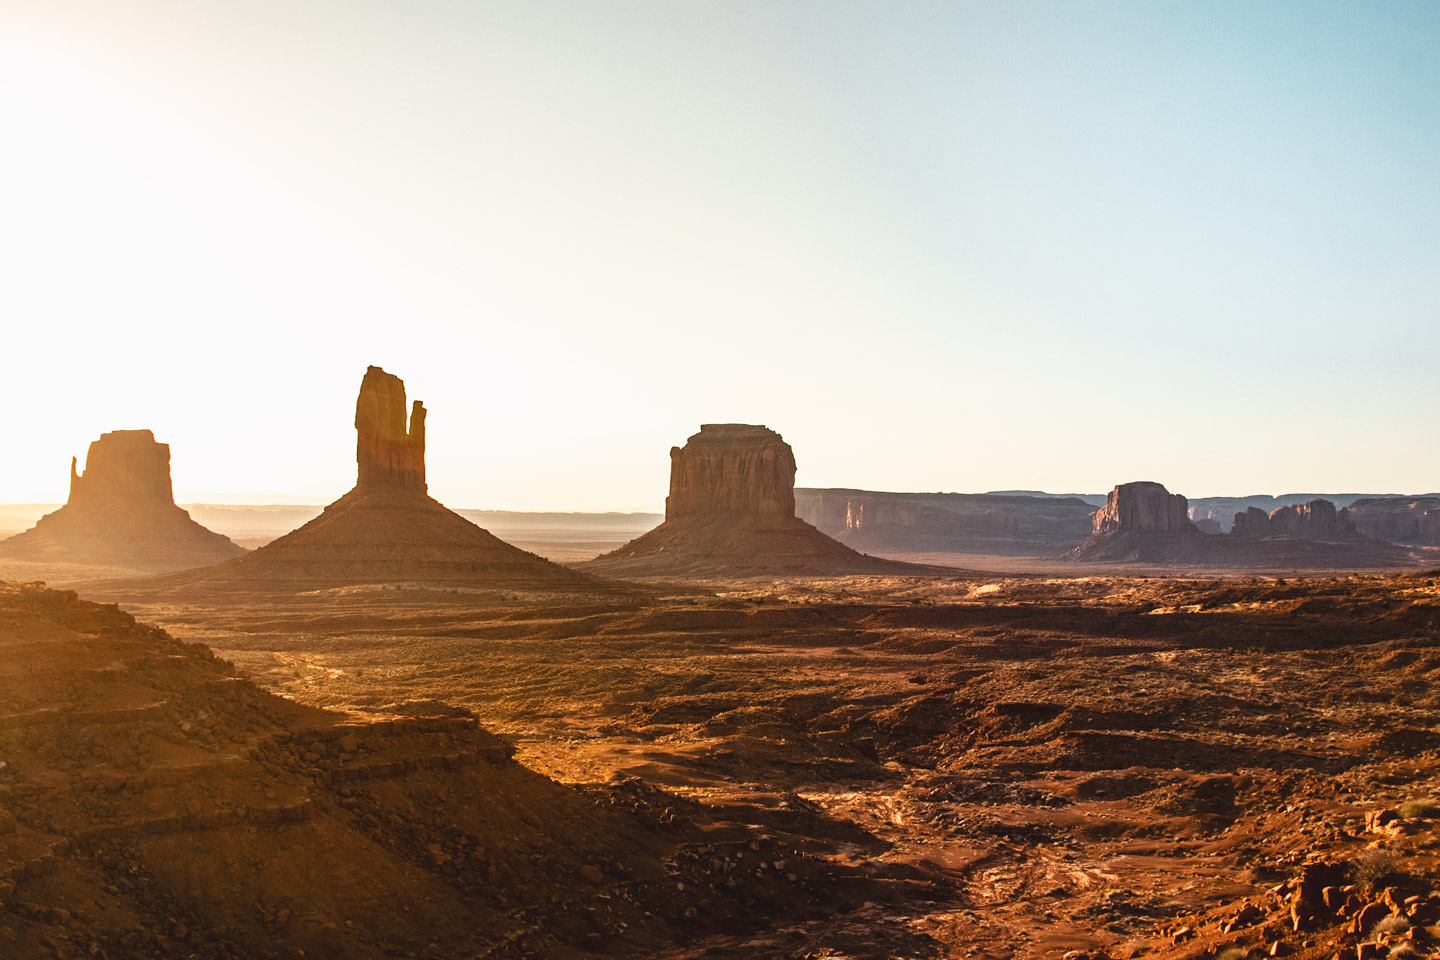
(937, 246)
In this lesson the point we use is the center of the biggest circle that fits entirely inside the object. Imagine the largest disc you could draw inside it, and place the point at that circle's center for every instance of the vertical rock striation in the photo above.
(734, 469)
(388, 454)
(1143, 507)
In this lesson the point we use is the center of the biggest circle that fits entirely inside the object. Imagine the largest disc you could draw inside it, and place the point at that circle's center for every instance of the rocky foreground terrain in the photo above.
(827, 767)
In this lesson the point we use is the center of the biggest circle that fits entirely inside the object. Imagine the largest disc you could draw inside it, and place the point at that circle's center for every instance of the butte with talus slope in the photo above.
(388, 529)
(731, 512)
(121, 512)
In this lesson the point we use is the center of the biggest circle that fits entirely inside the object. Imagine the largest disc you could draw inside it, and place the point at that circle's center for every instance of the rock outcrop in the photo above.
(731, 512)
(932, 523)
(121, 512)
(388, 529)
(1316, 520)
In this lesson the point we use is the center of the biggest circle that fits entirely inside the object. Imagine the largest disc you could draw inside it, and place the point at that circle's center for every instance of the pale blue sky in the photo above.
(938, 246)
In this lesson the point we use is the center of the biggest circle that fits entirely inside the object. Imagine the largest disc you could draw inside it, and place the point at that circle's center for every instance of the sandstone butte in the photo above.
(388, 529)
(731, 512)
(1143, 522)
(121, 512)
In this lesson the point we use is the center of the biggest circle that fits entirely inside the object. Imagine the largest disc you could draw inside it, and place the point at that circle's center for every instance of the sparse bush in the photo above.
(1233, 953)
(1372, 868)
(1388, 926)
(1404, 950)
(1411, 809)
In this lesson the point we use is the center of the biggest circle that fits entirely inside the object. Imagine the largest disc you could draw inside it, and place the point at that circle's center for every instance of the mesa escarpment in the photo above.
(1145, 523)
(388, 529)
(731, 511)
(980, 523)
(1414, 520)
(121, 512)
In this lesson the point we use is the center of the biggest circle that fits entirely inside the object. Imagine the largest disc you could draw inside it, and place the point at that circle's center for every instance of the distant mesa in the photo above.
(388, 529)
(1412, 520)
(1016, 523)
(1145, 523)
(731, 512)
(121, 512)
(1316, 520)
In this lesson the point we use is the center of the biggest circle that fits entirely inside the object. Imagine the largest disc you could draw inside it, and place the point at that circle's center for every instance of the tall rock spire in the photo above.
(388, 455)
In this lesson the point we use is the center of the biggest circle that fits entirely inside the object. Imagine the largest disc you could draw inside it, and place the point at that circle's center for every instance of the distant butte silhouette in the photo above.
(121, 512)
(731, 512)
(1142, 522)
(388, 529)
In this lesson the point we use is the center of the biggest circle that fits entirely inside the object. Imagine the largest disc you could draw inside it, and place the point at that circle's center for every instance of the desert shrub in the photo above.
(1404, 950)
(1233, 953)
(1395, 925)
(1372, 868)
(1410, 809)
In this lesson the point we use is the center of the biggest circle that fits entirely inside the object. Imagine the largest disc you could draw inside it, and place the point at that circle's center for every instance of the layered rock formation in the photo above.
(1015, 524)
(731, 512)
(121, 512)
(1316, 520)
(388, 529)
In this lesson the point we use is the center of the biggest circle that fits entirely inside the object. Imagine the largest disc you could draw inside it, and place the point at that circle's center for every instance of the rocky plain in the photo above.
(391, 733)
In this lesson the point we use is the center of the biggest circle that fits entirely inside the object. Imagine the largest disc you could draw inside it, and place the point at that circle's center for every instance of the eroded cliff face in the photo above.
(121, 512)
(1143, 507)
(389, 455)
(732, 469)
(1316, 520)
